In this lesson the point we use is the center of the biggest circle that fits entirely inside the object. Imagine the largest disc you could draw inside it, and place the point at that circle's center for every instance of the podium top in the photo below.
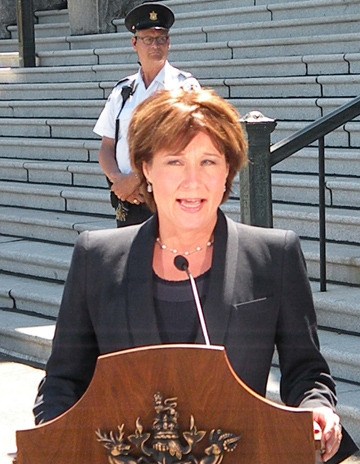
(170, 404)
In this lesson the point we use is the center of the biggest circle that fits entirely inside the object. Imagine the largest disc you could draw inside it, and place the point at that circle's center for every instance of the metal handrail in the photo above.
(304, 137)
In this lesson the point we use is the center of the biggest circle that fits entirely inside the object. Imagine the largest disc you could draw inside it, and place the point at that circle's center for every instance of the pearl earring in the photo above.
(149, 188)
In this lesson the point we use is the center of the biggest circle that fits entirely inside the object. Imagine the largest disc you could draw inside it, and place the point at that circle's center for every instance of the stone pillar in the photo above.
(95, 16)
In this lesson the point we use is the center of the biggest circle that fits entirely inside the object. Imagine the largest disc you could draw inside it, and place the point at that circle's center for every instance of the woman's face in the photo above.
(188, 186)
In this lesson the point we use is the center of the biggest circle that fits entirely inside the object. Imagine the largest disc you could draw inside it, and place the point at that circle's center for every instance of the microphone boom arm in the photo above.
(198, 307)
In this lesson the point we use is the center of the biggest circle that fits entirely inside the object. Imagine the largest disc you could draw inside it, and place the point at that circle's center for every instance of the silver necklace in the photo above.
(186, 253)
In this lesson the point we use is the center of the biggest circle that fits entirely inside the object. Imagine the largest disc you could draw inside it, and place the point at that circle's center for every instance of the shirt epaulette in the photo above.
(129, 79)
(185, 74)
(121, 81)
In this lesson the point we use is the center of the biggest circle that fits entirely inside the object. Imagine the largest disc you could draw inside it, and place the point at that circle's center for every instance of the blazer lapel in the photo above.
(223, 276)
(141, 312)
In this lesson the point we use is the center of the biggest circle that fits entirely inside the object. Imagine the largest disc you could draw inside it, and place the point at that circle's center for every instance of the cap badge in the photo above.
(153, 16)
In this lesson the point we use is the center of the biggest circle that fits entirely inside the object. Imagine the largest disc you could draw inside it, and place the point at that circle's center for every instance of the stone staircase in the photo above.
(293, 61)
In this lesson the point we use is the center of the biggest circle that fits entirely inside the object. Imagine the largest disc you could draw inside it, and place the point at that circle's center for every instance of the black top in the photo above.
(175, 308)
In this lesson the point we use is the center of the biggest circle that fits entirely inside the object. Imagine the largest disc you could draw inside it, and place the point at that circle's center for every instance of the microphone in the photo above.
(182, 264)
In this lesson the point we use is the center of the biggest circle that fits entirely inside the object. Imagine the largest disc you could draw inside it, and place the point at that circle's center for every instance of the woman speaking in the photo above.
(123, 289)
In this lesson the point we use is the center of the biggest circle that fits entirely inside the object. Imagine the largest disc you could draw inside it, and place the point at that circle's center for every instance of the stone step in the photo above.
(67, 128)
(34, 259)
(339, 85)
(274, 87)
(62, 74)
(29, 296)
(332, 63)
(340, 191)
(342, 225)
(348, 404)
(87, 108)
(57, 37)
(123, 39)
(18, 97)
(299, 109)
(291, 87)
(307, 109)
(344, 365)
(126, 55)
(76, 91)
(338, 308)
(220, 15)
(342, 262)
(48, 226)
(53, 149)
(343, 259)
(225, 49)
(342, 353)
(41, 44)
(180, 6)
(338, 162)
(52, 172)
(60, 29)
(325, 44)
(27, 338)
(49, 38)
(347, 136)
(299, 27)
(282, 66)
(56, 198)
(250, 13)
(214, 33)
(291, 108)
(52, 16)
(9, 59)
(55, 91)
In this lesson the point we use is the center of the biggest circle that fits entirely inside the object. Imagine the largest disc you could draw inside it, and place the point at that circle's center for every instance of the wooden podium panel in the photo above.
(200, 395)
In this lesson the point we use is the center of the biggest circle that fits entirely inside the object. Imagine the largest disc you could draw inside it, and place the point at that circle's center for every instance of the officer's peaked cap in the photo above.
(149, 15)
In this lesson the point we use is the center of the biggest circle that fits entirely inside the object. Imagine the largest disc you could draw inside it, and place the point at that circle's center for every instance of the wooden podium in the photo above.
(171, 404)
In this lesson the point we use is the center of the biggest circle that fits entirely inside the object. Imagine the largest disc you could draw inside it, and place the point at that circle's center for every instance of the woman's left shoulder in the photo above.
(109, 238)
(264, 234)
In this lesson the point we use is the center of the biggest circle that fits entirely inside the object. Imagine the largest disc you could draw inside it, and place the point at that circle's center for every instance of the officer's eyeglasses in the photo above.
(150, 40)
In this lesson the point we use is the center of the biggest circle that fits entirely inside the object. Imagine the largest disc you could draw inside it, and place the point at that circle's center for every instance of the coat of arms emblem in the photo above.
(165, 444)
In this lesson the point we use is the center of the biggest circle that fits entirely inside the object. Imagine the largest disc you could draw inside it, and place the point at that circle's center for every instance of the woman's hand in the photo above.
(329, 423)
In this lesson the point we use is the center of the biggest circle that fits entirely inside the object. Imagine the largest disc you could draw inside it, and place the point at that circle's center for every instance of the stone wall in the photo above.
(86, 16)
(95, 16)
(8, 12)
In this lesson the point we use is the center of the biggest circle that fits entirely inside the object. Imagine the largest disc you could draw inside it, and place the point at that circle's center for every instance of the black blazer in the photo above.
(259, 297)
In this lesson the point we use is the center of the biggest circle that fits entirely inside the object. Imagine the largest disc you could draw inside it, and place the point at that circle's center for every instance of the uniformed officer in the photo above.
(150, 23)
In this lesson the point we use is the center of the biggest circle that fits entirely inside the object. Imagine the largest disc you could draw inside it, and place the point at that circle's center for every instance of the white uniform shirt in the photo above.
(168, 78)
